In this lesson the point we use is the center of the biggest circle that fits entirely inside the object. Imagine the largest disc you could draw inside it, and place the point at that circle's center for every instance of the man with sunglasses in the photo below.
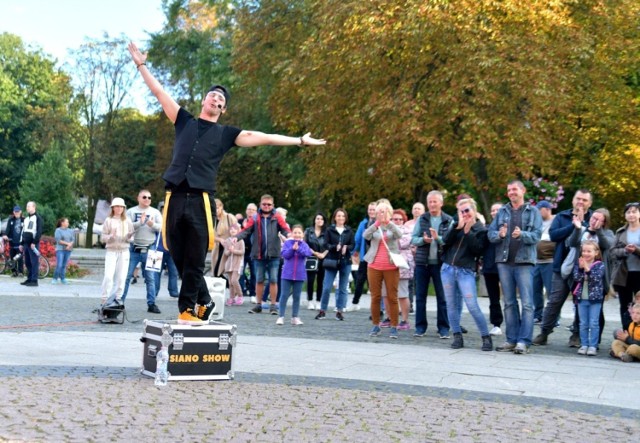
(147, 222)
(199, 147)
(561, 228)
(263, 229)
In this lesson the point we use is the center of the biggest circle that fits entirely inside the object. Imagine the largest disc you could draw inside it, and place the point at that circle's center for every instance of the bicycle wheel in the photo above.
(43, 267)
(3, 263)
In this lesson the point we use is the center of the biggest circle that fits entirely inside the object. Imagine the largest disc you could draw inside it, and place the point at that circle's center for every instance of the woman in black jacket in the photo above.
(340, 241)
(314, 237)
(463, 244)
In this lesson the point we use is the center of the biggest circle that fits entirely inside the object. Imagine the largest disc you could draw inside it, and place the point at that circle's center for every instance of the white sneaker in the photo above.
(495, 331)
(254, 300)
(592, 351)
(353, 308)
(311, 305)
(582, 350)
(295, 321)
(280, 321)
(335, 309)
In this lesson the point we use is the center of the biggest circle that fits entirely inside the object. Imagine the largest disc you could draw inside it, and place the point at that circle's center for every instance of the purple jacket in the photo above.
(293, 268)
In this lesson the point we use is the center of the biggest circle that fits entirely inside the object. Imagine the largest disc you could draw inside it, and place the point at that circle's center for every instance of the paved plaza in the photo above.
(66, 377)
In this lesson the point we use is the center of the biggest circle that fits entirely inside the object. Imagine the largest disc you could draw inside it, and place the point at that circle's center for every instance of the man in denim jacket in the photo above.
(516, 229)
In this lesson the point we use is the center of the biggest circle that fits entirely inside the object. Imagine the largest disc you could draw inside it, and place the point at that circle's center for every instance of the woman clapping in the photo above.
(464, 243)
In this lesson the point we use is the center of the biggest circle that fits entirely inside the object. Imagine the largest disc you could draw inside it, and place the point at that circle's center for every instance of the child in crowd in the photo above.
(234, 262)
(635, 301)
(294, 252)
(626, 345)
(588, 292)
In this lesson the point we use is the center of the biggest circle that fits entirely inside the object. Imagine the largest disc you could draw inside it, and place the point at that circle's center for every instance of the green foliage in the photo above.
(128, 163)
(103, 73)
(34, 97)
(49, 183)
(192, 51)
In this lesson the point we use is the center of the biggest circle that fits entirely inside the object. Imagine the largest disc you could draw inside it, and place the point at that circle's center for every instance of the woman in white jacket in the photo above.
(117, 233)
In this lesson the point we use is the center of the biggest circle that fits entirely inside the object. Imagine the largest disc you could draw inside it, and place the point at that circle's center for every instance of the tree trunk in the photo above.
(92, 204)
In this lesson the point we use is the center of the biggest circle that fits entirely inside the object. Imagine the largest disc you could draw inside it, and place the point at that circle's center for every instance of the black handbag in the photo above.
(311, 264)
(331, 263)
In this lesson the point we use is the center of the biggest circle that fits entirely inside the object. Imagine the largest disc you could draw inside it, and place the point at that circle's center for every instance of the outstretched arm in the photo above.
(249, 139)
(168, 104)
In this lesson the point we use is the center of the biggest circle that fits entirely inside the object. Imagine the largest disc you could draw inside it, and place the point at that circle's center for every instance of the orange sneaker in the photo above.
(187, 317)
(204, 311)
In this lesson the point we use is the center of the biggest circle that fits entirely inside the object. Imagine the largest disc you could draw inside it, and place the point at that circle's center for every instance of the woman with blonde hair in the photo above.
(117, 233)
(384, 237)
(224, 221)
(464, 243)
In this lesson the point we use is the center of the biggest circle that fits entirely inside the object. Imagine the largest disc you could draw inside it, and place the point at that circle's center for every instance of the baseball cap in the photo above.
(224, 91)
(17, 208)
(543, 204)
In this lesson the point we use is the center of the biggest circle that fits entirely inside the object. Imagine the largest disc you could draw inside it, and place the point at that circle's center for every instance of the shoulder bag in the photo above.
(395, 258)
(311, 264)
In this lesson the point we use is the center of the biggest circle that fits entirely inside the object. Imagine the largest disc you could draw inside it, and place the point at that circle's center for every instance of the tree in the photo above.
(34, 100)
(131, 154)
(457, 95)
(49, 183)
(193, 49)
(103, 74)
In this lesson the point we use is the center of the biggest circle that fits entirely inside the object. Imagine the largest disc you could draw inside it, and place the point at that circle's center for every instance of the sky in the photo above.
(60, 25)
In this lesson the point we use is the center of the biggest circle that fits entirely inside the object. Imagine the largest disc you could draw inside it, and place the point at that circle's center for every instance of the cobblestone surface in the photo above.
(121, 406)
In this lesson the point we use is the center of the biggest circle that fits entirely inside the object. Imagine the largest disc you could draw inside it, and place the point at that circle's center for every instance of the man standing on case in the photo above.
(200, 146)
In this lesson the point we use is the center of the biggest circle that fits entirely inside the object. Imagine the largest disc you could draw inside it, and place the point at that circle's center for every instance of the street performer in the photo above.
(199, 147)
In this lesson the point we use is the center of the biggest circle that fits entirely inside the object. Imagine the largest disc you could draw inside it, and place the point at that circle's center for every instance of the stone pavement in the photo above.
(66, 377)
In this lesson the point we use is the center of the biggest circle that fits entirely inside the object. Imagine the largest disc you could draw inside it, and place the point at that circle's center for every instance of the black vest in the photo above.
(196, 160)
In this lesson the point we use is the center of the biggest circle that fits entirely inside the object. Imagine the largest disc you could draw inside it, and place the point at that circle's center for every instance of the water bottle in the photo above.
(35, 251)
(17, 257)
(162, 357)
(162, 375)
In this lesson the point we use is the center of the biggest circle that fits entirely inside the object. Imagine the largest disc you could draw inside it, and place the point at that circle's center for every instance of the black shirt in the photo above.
(198, 150)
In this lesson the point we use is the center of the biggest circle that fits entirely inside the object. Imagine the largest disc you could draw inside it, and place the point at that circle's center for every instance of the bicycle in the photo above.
(8, 264)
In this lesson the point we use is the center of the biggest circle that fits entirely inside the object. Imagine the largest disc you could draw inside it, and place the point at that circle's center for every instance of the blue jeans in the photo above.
(423, 273)
(343, 283)
(149, 280)
(250, 286)
(458, 284)
(173, 275)
(589, 312)
(287, 286)
(62, 258)
(542, 275)
(519, 323)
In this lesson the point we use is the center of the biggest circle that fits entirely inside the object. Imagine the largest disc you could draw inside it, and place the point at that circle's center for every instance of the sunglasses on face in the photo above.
(146, 197)
(267, 204)
(465, 210)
